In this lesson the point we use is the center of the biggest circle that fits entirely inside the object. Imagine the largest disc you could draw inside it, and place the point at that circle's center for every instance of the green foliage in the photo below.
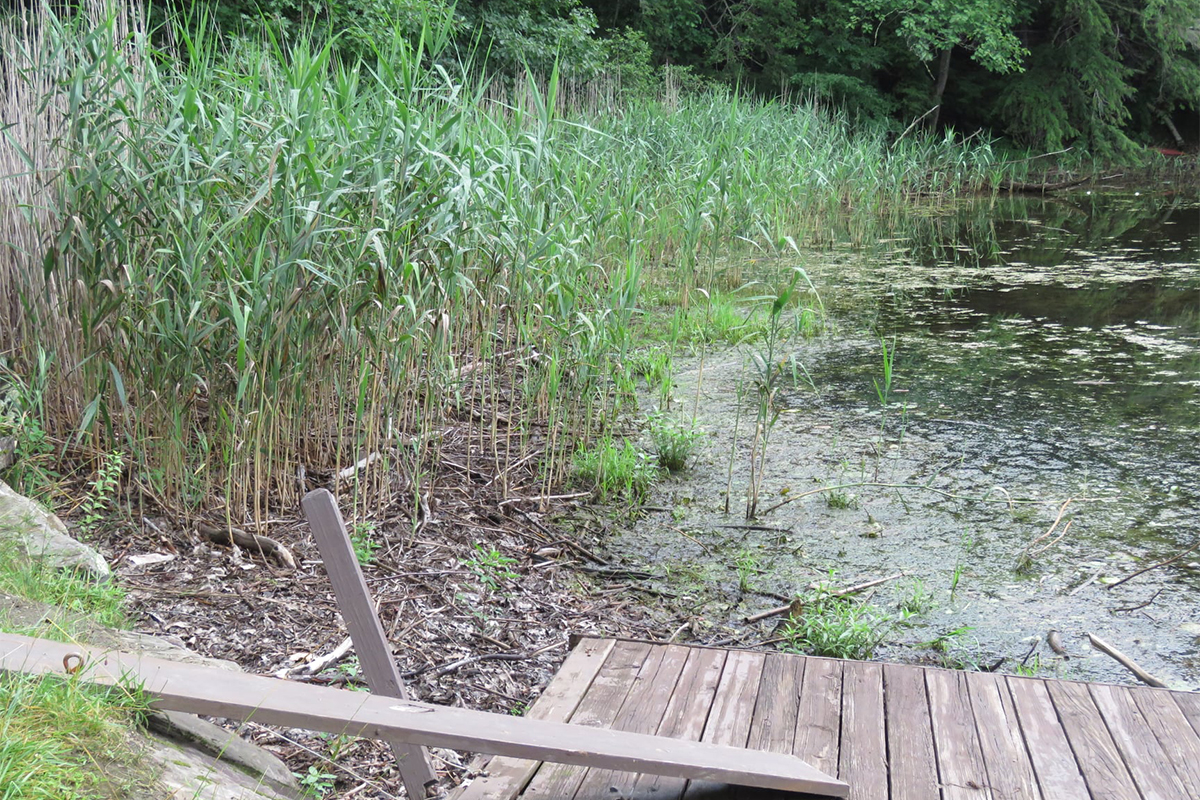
(266, 240)
(673, 442)
(540, 35)
(100, 498)
(362, 543)
(840, 499)
(616, 472)
(746, 565)
(316, 782)
(838, 627)
(78, 591)
(491, 567)
(985, 27)
(21, 417)
(919, 599)
(67, 739)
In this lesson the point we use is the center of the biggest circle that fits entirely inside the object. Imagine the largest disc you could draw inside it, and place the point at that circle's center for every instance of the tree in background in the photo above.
(1100, 75)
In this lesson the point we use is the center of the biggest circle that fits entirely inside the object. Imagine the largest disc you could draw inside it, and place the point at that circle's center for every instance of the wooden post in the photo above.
(370, 642)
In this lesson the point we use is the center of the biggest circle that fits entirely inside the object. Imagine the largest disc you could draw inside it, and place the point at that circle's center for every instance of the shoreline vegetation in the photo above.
(239, 269)
(248, 267)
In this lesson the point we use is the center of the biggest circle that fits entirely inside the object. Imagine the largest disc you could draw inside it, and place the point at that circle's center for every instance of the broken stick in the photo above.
(1170, 560)
(1125, 661)
(774, 612)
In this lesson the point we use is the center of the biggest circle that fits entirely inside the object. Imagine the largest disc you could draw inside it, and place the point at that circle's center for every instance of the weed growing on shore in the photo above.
(100, 497)
(35, 579)
(840, 499)
(491, 567)
(614, 471)
(673, 442)
(838, 627)
(362, 543)
(68, 739)
(919, 599)
(883, 387)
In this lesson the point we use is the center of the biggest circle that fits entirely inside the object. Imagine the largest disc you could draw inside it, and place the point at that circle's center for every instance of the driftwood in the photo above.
(774, 612)
(317, 665)
(247, 541)
(1125, 661)
(1170, 560)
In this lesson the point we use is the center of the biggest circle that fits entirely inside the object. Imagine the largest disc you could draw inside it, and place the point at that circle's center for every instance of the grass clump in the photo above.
(74, 590)
(673, 442)
(841, 500)
(837, 627)
(615, 471)
(67, 740)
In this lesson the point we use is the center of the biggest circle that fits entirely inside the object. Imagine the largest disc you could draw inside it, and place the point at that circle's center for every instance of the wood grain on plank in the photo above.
(599, 709)
(203, 690)
(1170, 727)
(1144, 756)
(1009, 769)
(358, 611)
(1099, 759)
(913, 769)
(862, 759)
(1189, 704)
(504, 778)
(686, 713)
(731, 713)
(819, 717)
(959, 754)
(1054, 761)
(642, 713)
(773, 727)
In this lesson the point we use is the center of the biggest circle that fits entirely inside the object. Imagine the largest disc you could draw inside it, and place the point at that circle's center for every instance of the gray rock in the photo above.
(187, 773)
(37, 533)
(261, 770)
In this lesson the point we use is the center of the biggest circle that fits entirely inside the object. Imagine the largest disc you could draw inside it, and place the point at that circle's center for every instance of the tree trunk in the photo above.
(940, 88)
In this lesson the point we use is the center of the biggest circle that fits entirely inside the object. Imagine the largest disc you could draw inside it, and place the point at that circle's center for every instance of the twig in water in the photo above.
(1032, 647)
(774, 612)
(1170, 560)
(1085, 584)
(1028, 554)
(1153, 597)
(1125, 661)
(987, 498)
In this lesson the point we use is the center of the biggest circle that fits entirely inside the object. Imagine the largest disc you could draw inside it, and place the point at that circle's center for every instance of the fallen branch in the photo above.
(1170, 560)
(987, 498)
(319, 664)
(542, 498)
(1028, 554)
(352, 471)
(774, 612)
(1153, 597)
(1125, 661)
(247, 541)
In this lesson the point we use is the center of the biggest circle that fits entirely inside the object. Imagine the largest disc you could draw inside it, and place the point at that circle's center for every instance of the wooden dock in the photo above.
(891, 731)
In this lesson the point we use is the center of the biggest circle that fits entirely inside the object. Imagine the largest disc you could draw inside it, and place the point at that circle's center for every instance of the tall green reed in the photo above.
(249, 262)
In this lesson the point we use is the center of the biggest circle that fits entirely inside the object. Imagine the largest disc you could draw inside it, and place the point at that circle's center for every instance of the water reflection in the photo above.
(1068, 330)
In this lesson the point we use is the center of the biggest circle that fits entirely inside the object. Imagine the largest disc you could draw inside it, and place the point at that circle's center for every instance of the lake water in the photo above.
(1044, 351)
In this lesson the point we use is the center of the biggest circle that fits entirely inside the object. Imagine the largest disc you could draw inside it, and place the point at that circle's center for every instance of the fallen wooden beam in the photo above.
(219, 693)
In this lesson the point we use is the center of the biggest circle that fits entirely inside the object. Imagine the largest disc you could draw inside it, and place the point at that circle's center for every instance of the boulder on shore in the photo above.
(35, 533)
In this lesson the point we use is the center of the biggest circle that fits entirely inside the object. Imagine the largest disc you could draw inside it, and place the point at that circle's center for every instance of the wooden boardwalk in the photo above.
(892, 731)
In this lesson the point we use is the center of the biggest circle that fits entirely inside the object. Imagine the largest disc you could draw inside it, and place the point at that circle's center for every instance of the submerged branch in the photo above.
(1170, 560)
(986, 498)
